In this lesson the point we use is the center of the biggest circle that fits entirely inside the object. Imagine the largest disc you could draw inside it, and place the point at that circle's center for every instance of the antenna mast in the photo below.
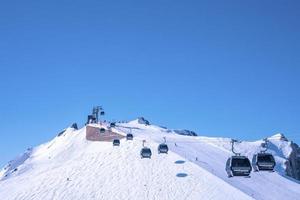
(96, 111)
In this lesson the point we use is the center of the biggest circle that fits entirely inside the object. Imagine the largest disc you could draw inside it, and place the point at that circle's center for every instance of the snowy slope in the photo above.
(70, 167)
(212, 153)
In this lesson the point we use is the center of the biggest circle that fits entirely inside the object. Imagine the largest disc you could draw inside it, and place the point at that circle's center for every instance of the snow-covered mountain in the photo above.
(72, 167)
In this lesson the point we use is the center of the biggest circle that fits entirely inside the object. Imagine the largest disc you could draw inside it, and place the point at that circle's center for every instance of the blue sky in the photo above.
(220, 68)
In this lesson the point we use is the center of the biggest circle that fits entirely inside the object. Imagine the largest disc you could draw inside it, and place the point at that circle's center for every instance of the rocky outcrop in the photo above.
(74, 125)
(12, 166)
(142, 120)
(61, 133)
(293, 162)
(185, 132)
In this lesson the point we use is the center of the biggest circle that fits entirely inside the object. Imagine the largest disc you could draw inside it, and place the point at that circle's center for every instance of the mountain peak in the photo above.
(278, 136)
(140, 120)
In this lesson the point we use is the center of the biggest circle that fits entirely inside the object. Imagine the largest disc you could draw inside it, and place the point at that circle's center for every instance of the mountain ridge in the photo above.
(79, 161)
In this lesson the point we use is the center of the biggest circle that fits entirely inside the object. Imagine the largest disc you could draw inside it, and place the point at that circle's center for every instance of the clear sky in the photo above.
(220, 68)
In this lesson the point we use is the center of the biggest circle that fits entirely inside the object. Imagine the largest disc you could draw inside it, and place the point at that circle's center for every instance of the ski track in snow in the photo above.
(69, 167)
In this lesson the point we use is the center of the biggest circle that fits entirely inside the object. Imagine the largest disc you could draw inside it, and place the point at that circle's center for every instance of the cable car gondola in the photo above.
(116, 142)
(112, 124)
(129, 136)
(146, 152)
(102, 130)
(163, 148)
(263, 162)
(238, 166)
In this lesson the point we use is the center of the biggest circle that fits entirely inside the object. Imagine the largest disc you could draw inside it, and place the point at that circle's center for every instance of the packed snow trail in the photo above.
(70, 167)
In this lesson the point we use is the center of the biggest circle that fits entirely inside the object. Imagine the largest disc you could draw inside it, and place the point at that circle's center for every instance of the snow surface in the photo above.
(70, 167)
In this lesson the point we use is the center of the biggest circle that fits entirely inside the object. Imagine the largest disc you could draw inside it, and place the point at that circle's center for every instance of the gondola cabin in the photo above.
(102, 130)
(112, 125)
(146, 152)
(129, 136)
(263, 162)
(116, 142)
(163, 148)
(238, 166)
